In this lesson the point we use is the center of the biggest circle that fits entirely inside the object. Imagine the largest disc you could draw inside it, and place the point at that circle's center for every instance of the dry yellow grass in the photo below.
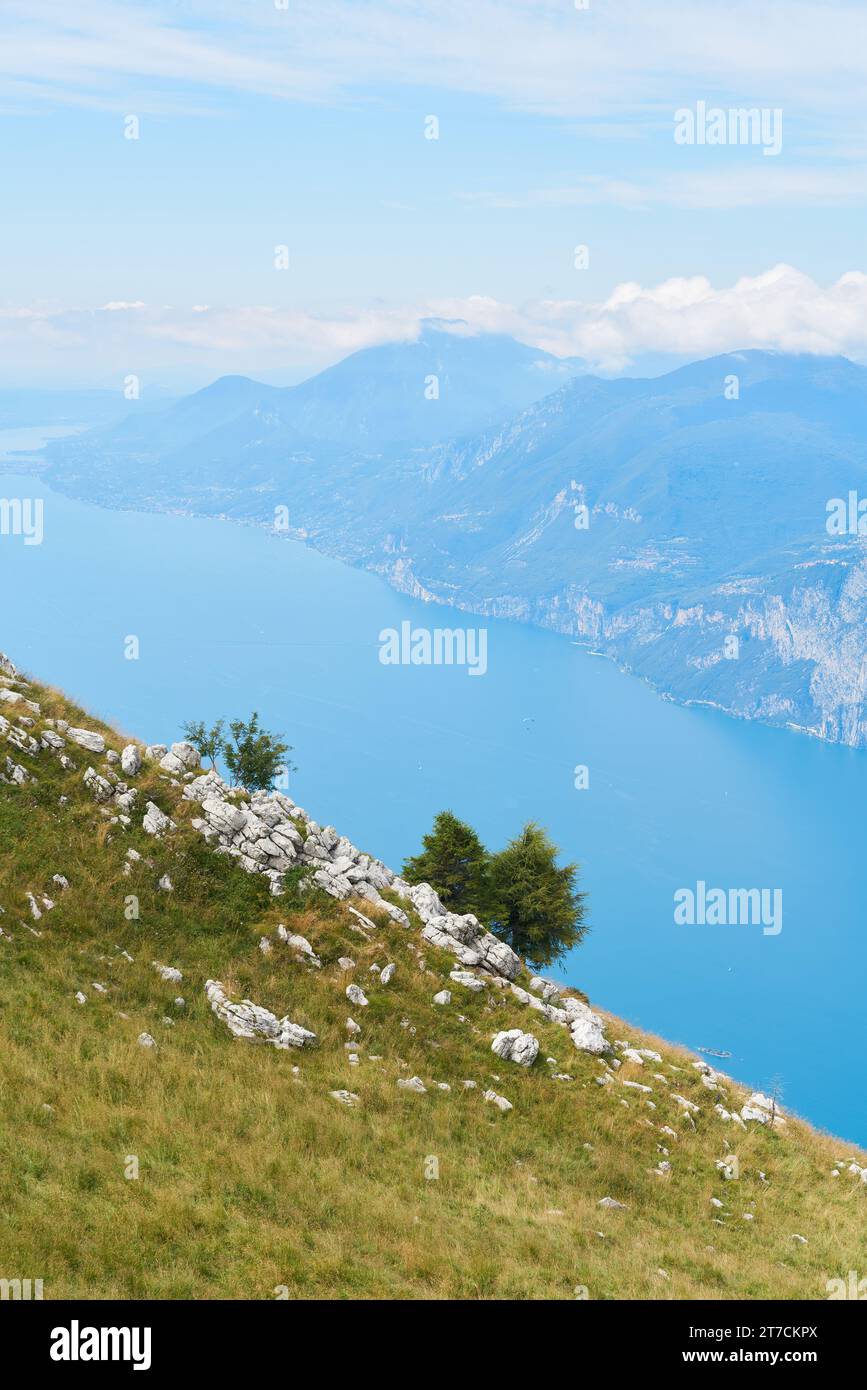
(252, 1180)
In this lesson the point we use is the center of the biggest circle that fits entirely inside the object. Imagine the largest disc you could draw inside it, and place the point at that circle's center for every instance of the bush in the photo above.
(254, 757)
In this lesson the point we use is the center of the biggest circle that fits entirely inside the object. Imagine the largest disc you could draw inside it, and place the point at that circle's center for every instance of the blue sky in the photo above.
(305, 126)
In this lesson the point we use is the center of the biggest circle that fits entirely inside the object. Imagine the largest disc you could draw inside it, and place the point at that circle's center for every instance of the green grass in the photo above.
(252, 1178)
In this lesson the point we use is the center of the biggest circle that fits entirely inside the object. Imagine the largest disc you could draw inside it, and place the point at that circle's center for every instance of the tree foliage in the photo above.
(454, 862)
(253, 756)
(535, 903)
(207, 742)
(521, 893)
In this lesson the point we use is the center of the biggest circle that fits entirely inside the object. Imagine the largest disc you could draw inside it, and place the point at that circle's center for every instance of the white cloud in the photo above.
(768, 186)
(623, 60)
(782, 309)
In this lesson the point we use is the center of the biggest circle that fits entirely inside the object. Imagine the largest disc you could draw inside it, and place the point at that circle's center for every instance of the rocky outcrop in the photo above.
(249, 1020)
(268, 834)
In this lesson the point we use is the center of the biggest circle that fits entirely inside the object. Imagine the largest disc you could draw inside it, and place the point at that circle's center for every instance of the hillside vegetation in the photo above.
(210, 1166)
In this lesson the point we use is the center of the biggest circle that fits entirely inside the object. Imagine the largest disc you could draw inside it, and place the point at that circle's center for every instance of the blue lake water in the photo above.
(230, 619)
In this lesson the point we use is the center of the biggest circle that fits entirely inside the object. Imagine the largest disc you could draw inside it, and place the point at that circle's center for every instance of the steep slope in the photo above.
(359, 1150)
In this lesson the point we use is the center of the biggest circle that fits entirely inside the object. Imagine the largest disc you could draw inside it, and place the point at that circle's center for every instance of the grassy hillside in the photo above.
(252, 1177)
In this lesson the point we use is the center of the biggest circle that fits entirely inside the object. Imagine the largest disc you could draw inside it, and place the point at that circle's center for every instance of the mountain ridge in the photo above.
(705, 516)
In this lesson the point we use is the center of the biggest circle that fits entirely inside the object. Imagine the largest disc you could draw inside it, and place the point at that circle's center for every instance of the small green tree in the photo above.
(454, 862)
(207, 742)
(535, 904)
(254, 756)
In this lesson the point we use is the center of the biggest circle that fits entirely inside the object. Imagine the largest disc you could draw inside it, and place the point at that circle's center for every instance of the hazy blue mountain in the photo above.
(652, 519)
(378, 396)
(408, 394)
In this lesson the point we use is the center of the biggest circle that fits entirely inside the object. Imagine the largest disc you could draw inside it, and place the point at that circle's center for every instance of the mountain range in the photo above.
(676, 524)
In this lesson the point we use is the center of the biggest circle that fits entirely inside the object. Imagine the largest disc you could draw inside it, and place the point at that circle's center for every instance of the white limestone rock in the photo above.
(499, 1101)
(130, 760)
(86, 738)
(155, 822)
(463, 977)
(763, 1110)
(99, 788)
(516, 1046)
(548, 989)
(586, 1027)
(167, 972)
(249, 1020)
(181, 758)
(345, 1097)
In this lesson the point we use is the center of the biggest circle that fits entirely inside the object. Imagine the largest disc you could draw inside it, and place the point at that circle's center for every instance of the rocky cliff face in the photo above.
(677, 528)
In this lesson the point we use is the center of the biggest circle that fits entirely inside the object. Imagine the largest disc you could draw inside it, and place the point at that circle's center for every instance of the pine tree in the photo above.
(454, 862)
(535, 904)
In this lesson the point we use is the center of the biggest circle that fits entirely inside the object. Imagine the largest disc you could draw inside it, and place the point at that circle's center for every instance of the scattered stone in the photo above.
(761, 1108)
(355, 994)
(463, 977)
(155, 822)
(500, 1101)
(130, 760)
(516, 1046)
(413, 1083)
(167, 972)
(145, 1040)
(181, 758)
(249, 1020)
(85, 738)
(345, 1097)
